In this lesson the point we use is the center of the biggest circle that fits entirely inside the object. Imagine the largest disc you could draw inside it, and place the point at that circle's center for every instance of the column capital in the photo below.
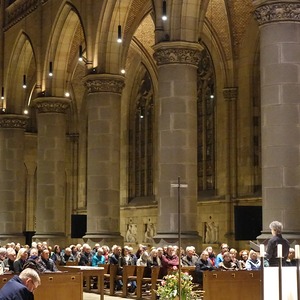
(230, 93)
(51, 104)
(13, 121)
(177, 53)
(271, 11)
(104, 83)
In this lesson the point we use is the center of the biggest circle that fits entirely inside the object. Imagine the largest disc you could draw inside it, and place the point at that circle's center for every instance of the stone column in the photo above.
(280, 98)
(230, 96)
(103, 158)
(12, 178)
(51, 181)
(177, 141)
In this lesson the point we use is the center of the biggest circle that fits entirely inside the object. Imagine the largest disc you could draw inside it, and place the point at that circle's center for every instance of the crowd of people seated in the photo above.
(44, 259)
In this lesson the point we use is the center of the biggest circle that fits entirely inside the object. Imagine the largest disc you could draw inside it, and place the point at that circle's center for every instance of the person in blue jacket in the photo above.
(21, 286)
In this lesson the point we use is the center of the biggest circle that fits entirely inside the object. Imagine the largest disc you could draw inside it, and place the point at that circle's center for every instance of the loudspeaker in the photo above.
(247, 222)
(78, 226)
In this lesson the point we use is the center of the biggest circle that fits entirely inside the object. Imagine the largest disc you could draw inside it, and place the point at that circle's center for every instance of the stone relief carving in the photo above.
(104, 85)
(131, 232)
(211, 232)
(7, 121)
(52, 106)
(177, 55)
(149, 233)
(277, 12)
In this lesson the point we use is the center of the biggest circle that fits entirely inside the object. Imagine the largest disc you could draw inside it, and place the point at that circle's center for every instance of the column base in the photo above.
(108, 239)
(12, 237)
(52, 238)
(186, 239)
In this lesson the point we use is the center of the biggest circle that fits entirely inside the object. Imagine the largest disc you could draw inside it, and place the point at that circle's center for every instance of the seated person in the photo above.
(253, 263)
(219, 258)
(98, 258)
(20, 260)
(85, 257)
(244, 254)
(190, 258)
(203, 264)
(9, 260)
(169, 260)
(227, 264)
(291, 261)
(21, 287)
(116, 259)
(46, 264)
(67, 256)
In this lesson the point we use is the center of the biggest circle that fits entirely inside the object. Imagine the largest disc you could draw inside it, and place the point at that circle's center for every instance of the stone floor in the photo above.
(94, 296)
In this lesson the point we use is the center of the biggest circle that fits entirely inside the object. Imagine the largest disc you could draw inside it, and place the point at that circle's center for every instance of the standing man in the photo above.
(21, 287)
(271, 252)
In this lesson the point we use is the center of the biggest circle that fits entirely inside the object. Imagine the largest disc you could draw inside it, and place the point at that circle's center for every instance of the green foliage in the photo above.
(169, 287)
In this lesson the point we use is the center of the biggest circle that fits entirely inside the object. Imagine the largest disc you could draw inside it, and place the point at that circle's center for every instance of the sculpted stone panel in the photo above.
(277, 12)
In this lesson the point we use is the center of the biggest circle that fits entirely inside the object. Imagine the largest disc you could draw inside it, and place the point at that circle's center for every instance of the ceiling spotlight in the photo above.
(2, 93)
(50, 69)
(123, 71)
(119, 40)
(24, 82)
(25, 111)
(164, 12)
(67, 94)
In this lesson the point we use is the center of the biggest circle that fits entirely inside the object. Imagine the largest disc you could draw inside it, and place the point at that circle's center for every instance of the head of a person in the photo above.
(244, 254)
(22, 254)
(30, 279)
(34, 252)
(204, 255)
(153, 252)
(45, 254)
(291, 254)
(226, 256)
(276, 227)
(224, 248)
(144, 256)
(86, 248)
(233, 253)
(170, 250)
(2, 253)
(68, 251)
(99, 251)
(189, 251)
(253, 255)
(56, 249)
(11, 253)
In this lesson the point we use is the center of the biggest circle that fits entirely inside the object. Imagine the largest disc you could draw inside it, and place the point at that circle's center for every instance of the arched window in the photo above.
(206, 123)
(141, 140)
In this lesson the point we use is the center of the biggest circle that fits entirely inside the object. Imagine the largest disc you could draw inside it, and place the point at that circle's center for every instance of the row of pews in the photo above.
(237, 285)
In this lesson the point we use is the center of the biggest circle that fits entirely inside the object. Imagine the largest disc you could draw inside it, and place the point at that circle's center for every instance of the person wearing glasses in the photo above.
(21, 286)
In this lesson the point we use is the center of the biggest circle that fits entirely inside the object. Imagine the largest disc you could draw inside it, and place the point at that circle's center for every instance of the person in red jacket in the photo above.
(169, 260)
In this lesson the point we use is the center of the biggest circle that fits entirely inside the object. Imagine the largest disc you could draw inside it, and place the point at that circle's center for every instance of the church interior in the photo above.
(149, 121)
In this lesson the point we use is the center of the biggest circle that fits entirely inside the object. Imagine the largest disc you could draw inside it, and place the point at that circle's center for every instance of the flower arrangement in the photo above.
(169, 287)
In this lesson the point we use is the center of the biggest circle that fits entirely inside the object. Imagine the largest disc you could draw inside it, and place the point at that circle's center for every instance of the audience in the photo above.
(166, 257)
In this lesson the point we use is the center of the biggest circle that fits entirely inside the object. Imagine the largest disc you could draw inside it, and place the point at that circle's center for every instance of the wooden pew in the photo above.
(58, 286)
(236, 285)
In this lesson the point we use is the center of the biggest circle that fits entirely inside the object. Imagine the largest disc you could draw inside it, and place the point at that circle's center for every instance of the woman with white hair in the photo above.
(272, 247)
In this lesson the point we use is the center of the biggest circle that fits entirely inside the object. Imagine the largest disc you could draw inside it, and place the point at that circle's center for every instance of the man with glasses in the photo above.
(21, 287)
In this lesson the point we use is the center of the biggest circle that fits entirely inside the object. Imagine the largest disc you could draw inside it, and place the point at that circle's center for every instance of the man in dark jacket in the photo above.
(21, 287)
